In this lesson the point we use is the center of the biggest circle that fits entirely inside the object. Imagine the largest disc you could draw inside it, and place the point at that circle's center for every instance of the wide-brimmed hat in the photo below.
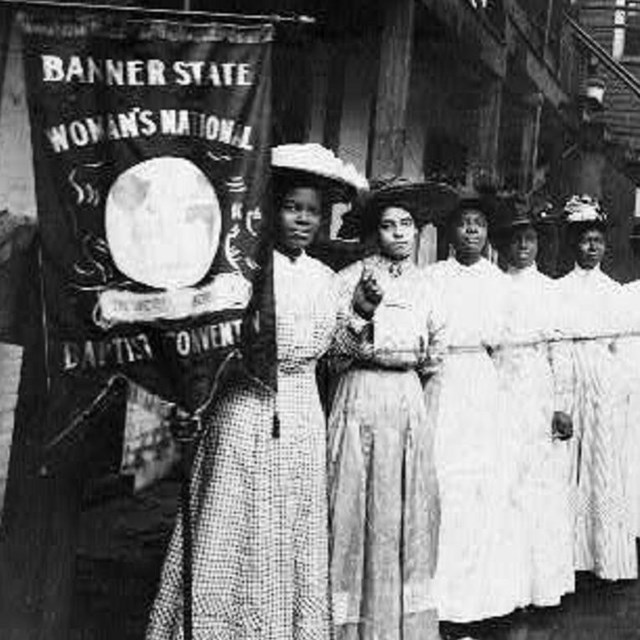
(583, 212)
(518, 211)
(312, 163)
(426, 201)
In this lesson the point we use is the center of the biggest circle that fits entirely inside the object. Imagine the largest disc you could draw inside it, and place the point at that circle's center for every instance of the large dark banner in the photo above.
(151, 150)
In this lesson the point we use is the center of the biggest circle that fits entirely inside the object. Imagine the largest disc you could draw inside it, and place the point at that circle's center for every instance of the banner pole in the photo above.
(185, 431)
(186, 12)
(187, 553)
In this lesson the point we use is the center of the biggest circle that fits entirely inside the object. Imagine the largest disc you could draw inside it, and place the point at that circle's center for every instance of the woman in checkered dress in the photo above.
(260, 539)
(383, 503)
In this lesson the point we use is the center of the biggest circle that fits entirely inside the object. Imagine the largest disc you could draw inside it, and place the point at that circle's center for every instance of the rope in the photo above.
(277, 18)
(498, 346)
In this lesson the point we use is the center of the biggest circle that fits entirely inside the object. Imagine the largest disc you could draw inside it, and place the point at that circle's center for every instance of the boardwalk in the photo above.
(121, 549)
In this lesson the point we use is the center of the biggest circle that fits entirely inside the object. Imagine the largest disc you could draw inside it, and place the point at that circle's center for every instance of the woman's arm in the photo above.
(435, 344)
(352, 337)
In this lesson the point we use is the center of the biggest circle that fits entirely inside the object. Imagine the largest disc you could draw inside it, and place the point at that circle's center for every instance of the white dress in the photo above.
(526, 370)
(629, 352)
(481, 564)
(382, 481)
(260, 540)
(604, 541)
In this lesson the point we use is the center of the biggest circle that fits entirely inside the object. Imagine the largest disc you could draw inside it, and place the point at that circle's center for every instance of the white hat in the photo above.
(317, 160)
(584, 208)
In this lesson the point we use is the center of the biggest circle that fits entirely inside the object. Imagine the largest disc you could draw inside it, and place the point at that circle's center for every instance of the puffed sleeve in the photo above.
(618, 318)
(494, 331)
(561, 356)
(630, 343)
(436, 346)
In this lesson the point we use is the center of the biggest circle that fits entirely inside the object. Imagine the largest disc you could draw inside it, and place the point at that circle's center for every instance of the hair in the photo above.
(577, 229)
(284, 182)
(371, 213)
(501, 238)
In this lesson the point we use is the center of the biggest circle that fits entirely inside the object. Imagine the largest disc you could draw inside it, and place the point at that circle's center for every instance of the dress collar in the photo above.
(394, 268)
(284, 259)
(527, 272)
(477, 267)
(587, 273)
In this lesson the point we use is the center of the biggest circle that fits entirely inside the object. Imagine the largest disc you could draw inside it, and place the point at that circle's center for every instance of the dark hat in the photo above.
(427, 201)
(518, 211)
(482, 198)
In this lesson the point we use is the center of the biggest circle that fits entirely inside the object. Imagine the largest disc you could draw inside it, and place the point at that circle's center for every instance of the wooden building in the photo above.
(460, 90)
(607, 36)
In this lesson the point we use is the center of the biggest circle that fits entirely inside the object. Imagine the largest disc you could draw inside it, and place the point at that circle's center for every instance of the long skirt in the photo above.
(629, 370)
(604, 536)
(542, 476)
(384, 510)
(260, 539)
(481, 556)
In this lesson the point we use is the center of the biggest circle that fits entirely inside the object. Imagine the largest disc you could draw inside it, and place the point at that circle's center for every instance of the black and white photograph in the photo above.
(319, 319)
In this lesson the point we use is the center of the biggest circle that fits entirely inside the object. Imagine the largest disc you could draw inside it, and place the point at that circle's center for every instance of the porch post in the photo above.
(484, 162)
(387, 137)
(530, 136)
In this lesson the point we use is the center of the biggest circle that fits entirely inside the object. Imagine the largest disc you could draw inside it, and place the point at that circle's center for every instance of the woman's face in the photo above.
(299, 218)
(591, 247)
(396, 233)
(470, 233)
(523, 247)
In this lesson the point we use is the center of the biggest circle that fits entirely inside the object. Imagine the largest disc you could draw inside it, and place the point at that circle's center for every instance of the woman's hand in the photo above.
(184, 427)
(561, 426)
(367, 295)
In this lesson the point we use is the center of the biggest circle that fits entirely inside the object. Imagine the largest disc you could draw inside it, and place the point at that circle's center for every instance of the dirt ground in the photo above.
(122, 546)
(119, 559)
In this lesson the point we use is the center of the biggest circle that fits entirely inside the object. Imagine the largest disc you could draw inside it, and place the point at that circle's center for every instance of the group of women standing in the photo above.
(470, 459)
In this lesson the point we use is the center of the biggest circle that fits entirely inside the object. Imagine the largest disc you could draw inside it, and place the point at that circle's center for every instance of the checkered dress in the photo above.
(260, 540)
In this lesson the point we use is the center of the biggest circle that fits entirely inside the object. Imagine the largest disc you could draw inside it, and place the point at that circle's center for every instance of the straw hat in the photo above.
(316, 165)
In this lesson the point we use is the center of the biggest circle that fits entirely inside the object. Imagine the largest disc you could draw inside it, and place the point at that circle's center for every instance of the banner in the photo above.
(151, 151)
(10, 363)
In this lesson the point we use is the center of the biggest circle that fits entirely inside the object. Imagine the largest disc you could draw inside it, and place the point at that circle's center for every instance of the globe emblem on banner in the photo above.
(163, 223)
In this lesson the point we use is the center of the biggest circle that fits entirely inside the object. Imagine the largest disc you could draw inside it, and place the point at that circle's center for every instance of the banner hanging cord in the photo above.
(44, 321)
(160, 13)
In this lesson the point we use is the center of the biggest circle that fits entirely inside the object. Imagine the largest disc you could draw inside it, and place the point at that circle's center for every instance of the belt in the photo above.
(382, 366)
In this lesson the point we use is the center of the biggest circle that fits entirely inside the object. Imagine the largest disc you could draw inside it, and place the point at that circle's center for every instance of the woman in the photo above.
(526, 366)
(604, 541)
(260, 544)
(480, 556)
(382, 483)
(630, 371)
